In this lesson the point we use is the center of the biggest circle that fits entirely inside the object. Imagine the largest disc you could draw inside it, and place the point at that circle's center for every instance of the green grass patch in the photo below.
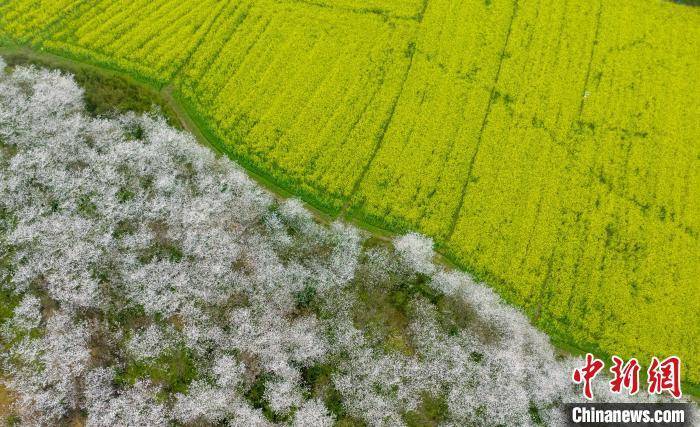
(317, 379)
(431, 412)
(256, 396)
(384, 318)
(174, 371)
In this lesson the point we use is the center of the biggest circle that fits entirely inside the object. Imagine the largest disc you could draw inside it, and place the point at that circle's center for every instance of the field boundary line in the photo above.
(193, 123)
(244, 10)
(386, 14)
(590, 59)
(196, 46)
(421, 13)
(234, 66)
(590, 171)
(68, 9)
(484, 122)
(381, 135)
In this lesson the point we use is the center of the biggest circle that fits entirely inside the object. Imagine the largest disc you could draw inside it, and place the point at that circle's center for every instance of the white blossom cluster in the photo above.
(129, 246)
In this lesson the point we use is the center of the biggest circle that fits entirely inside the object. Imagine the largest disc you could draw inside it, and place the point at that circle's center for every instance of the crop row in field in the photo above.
(551, 147)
